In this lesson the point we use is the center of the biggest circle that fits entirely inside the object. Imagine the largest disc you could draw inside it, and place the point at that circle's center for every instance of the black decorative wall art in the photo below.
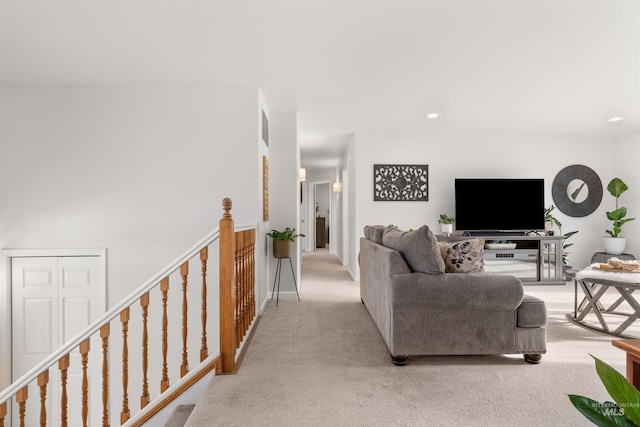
(569, 182)
(397, 183)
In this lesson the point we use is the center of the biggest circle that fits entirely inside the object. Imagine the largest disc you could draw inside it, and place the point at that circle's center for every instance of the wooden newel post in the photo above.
(227, 292)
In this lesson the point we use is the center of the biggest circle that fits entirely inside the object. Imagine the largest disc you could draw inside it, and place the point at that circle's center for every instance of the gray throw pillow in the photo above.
(419, 248)
(464, 256)
(374, 233)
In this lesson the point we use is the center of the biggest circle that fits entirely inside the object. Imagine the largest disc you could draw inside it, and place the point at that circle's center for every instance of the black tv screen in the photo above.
(499, 204)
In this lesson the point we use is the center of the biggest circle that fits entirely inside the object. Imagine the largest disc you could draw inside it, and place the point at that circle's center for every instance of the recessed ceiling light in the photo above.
(433, 115)
(614, 119)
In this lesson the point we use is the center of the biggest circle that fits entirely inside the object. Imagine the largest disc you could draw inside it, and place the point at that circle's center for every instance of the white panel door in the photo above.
(53, 299)
(35, 311)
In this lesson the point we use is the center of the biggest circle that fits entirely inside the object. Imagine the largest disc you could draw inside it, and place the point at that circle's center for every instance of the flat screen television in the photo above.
(499, 205)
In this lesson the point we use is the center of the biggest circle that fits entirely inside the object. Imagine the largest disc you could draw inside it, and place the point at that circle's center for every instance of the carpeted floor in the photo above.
(322, 362)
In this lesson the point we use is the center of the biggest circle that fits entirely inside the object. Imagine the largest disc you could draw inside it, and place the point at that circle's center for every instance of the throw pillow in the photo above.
(464, 256)
(374, 233)
(419, 248)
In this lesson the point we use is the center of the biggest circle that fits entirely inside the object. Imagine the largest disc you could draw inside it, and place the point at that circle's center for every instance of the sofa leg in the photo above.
(399, 360)
(532, 358)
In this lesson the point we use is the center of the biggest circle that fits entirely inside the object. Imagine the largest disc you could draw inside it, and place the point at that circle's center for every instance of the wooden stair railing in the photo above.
(237, 315)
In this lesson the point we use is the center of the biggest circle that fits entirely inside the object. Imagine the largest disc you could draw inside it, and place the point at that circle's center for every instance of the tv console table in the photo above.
(535, 260)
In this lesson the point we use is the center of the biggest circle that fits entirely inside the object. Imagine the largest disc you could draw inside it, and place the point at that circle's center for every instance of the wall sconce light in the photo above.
(302, 174)
(337, 187)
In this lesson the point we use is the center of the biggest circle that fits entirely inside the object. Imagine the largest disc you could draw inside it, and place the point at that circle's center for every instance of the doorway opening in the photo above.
(322, 211)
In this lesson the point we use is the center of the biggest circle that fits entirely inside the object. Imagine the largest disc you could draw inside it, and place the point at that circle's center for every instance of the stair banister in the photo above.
(141, 295)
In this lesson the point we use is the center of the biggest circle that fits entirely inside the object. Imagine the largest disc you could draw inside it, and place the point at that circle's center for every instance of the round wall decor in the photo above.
(577, 190)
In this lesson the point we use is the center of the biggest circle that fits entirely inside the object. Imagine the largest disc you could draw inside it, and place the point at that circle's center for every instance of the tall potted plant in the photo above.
(614, 244)
(283, 242)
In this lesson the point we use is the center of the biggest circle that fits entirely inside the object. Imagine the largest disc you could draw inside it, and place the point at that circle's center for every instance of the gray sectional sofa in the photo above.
(422, 310)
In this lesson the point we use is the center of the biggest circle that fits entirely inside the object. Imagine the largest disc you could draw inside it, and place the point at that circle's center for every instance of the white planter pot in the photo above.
(614, 245)
(447, 229)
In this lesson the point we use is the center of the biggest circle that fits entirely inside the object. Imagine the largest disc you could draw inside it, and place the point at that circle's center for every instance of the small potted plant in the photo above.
(614, 244)
(446, 223)
(549, 220)
(283, 242)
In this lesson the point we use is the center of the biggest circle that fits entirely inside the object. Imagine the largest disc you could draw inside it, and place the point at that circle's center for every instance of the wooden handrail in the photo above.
(237, 302)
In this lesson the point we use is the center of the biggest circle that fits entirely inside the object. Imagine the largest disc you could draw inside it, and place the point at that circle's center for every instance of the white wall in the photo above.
(626, 153)
(284, 192)
(262, 242)
(336, 235)
(348, 162)
(451, 156)
(140, 171)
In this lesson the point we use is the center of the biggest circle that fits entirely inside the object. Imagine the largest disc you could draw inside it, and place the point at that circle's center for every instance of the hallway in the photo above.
(323, 362)
(324, 278)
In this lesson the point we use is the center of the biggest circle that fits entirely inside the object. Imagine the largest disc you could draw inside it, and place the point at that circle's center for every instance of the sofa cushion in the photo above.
(419, 248)
(532, 312)
(374, 233)
(464, 256)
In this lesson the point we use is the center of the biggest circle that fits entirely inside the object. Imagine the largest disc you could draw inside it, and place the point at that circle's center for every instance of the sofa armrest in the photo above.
(470, 291)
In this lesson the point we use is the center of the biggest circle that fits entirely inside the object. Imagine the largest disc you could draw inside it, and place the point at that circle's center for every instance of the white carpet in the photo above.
(322, 362)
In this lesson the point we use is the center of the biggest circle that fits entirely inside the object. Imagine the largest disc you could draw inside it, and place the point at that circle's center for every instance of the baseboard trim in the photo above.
(246, 343)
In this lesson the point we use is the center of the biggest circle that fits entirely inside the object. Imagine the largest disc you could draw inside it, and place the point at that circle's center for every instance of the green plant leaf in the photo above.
(617, 214)
(549, 217)
(625, 394)
(574, 195)
(595, 412)
(288, 234)
(624, 221)
(616, 187)
(445, 219)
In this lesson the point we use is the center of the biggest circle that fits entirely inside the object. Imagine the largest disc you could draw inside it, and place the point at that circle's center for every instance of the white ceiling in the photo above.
(487, 66)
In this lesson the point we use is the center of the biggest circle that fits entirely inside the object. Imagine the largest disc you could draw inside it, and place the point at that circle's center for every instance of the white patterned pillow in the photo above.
(464, 256)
